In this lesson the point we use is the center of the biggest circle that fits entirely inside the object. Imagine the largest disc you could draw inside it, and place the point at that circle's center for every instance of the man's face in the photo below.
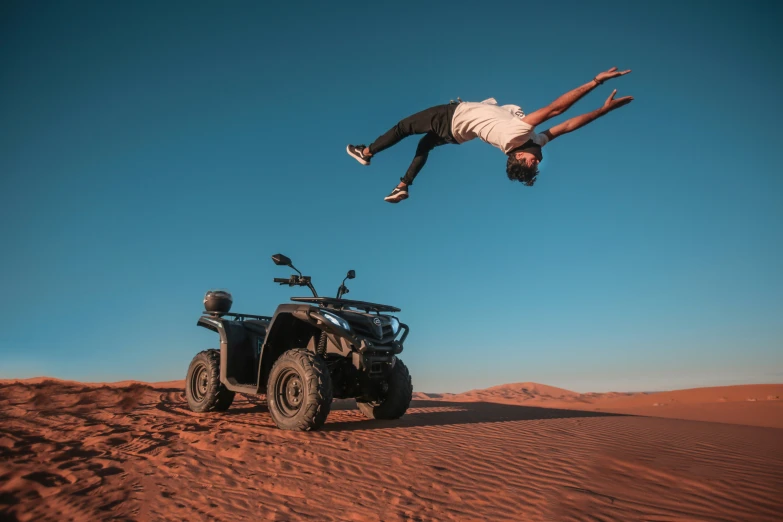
(527, 159)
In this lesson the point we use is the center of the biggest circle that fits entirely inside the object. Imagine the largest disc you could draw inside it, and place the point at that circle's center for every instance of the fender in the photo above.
(211, 323)
(290, 327)
(216, 325)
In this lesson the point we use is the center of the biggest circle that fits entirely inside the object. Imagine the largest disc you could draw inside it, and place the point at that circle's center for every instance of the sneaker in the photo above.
(397, 195)
(357, 153)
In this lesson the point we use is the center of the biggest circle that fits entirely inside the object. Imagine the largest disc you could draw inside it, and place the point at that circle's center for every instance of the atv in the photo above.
(306, 354)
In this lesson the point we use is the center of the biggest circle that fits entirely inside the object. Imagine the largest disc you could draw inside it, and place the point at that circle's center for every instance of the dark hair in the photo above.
(518, 171)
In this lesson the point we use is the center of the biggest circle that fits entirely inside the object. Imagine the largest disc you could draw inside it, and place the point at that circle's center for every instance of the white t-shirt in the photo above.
(498, 125)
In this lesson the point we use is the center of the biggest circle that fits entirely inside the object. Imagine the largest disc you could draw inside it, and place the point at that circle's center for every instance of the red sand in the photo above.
(73, 451)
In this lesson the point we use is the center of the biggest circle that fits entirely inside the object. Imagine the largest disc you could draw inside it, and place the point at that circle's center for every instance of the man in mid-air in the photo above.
(505, 126)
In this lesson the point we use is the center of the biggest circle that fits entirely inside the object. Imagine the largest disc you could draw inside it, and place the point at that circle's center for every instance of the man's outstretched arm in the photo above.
(583, 119)
(564, 102)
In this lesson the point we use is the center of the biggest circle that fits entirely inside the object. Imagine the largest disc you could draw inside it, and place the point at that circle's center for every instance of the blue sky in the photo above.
(151, 151)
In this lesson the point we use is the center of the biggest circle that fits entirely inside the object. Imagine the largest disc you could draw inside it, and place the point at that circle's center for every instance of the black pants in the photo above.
(434, 123)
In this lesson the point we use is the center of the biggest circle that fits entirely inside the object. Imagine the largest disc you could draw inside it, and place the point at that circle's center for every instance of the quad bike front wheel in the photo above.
(203, 388)
(299, 391)
(397, 398)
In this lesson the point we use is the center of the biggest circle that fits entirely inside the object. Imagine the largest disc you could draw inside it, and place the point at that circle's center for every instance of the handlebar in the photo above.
(293, 280)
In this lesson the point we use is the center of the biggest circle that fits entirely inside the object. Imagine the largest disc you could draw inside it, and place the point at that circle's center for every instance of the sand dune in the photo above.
(70, 451)
(517, 392)
(752, 404)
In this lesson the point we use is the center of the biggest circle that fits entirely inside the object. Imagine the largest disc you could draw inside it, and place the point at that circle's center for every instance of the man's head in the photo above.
(522, 164)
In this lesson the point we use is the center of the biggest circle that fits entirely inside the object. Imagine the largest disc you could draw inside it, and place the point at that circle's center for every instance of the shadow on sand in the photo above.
(440, 413)
(345, 416)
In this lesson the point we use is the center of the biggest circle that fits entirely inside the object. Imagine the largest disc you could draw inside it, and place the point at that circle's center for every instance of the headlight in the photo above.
(339, 321)
(395, 324)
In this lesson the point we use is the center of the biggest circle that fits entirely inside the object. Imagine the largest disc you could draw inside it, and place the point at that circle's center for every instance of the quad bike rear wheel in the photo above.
(299, 391)
(203, 388)
(397, 398)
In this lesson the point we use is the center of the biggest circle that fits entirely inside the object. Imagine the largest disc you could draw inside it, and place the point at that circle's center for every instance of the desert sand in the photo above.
(133, 451)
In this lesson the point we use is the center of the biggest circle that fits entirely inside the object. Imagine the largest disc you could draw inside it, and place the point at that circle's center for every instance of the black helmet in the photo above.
(217, 302)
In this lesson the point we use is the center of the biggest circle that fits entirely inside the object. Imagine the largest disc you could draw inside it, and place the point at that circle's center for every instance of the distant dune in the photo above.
(519, 392)
(117, 384)
(516, 452)
(750, 404)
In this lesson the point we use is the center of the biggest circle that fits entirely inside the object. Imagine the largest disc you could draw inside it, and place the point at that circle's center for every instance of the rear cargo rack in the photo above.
(239, 317)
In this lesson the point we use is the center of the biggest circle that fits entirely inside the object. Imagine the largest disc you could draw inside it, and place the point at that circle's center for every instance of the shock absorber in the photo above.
(321, 349)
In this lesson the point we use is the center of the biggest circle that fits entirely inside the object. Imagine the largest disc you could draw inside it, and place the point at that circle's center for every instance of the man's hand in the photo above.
(611, 73)
(611, 104)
